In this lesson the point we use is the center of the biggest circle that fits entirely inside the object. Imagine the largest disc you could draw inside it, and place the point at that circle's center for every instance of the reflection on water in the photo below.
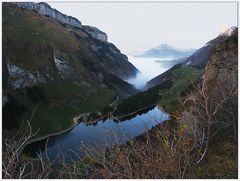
(95, 134)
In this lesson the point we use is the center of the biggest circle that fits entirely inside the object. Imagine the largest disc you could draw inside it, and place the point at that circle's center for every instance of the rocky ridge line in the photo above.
(46, 10)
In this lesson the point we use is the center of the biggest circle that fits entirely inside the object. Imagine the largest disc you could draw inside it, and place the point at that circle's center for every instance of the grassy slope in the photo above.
(170, 91)
(182, 77)
(29, 41)
(65, 100)
(34, 36)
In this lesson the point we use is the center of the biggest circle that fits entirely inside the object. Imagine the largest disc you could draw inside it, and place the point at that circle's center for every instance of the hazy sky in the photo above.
(135, 27)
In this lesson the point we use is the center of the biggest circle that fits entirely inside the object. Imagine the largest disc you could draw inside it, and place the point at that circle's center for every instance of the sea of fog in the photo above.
(149, 68)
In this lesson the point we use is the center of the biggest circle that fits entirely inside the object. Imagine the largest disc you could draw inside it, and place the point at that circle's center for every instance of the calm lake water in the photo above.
(149, 68)
(95, 135)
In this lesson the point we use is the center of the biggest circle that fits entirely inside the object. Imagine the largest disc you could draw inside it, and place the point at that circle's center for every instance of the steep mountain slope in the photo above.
(44, 42)
(200, 58)
(162, 77)
(217, 109)
(51, 60)
(210, 110)
(223, 63)
(167, 51)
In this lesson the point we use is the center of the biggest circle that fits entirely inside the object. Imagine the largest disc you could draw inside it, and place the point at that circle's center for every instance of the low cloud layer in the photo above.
(149, 68)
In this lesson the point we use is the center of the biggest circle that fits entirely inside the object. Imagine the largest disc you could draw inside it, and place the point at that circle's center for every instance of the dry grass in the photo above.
(160, 153)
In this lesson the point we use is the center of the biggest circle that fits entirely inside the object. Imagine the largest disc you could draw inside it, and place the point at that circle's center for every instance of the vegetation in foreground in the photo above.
(202, 143)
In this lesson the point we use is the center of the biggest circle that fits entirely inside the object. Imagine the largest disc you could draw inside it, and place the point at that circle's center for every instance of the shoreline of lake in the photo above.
(62, 131)
(65, 139)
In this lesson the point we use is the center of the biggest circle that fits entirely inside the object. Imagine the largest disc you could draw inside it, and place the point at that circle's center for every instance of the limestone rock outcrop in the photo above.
(46, 10)
(20, 77)
(96, 33)
(63, 66)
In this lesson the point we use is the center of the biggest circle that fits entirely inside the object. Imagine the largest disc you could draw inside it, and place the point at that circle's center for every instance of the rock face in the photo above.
(201, 57)
(220, 85)
(63, 66)
(20, 77)
(96, 33)
(46, 10)
(168, 51)
(222, 68)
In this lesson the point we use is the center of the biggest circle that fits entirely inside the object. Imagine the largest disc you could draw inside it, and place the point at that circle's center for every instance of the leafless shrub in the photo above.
(167, 153)
(14, 164)
(208, 112)
(160, 153)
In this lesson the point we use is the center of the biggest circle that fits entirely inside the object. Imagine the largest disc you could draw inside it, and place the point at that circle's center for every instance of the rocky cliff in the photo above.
(96, 33)
(222, 68)
(20, 77)
(46, 10)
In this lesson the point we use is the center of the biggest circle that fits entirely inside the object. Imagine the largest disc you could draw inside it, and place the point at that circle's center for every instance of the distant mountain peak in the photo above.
(167, 46)
(166, 50)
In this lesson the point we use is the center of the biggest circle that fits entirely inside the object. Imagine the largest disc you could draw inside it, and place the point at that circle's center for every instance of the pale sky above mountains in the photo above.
(136, 27)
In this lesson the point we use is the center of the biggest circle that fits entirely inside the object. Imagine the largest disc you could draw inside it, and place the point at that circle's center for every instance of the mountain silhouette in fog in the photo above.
(167, 51)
